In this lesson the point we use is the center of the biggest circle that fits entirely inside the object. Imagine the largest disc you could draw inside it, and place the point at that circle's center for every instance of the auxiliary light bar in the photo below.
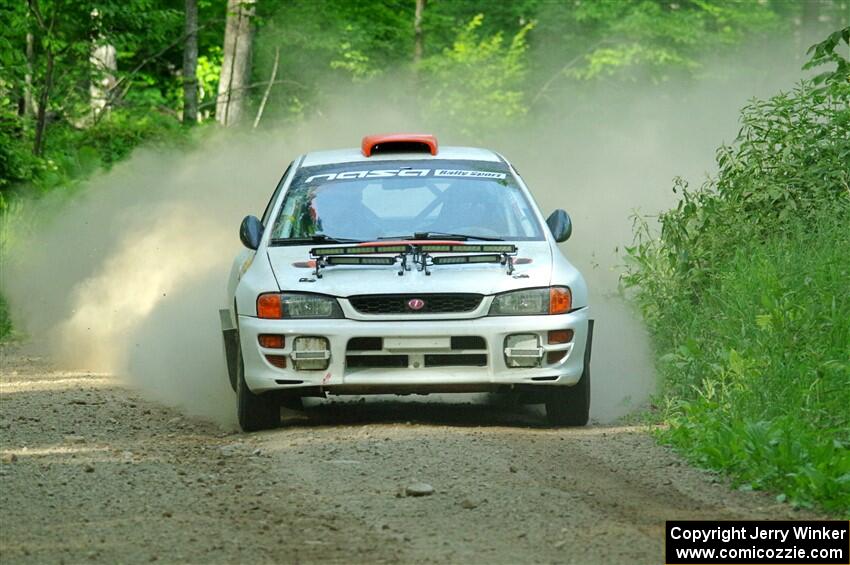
(419, 254)
(358, 250)
(466, 248)
(355, 260)
(461, 259)
(412, 248)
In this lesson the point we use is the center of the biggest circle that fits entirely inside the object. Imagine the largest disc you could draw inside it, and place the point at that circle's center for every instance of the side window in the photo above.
(522, 214)
(277, 190)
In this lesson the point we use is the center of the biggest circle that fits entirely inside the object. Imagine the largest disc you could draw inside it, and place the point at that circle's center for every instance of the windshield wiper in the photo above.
(441, 235)
(317, 238)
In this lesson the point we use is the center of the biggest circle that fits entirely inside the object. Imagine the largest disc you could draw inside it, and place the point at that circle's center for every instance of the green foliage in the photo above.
(11, 216)
(477, 83)
(5, 321)
(73, 154)
(17, 163)
(745, 293)
(326, 40)
(655, 38)
(826, 52)
(757, 374)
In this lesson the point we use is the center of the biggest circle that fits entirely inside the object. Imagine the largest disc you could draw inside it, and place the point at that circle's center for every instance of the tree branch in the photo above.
(564, 69)
(111, 98)
(249, 87)
(268, 88)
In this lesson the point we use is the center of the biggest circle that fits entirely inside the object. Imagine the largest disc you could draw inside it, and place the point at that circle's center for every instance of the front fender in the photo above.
(257, 277)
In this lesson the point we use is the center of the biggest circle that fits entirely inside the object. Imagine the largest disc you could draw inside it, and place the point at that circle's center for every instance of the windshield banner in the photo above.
(385, 173)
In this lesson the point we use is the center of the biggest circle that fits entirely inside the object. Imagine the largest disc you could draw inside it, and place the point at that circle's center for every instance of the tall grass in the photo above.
(746, 291)
(15, 218)
(757, 373)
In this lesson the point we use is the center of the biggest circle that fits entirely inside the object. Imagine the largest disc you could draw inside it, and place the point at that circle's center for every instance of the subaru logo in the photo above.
(416, 304)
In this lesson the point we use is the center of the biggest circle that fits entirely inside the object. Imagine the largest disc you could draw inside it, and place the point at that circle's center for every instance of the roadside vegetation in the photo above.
(746, 290)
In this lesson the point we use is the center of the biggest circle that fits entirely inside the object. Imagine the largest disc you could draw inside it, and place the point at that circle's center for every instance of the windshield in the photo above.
(368, 201)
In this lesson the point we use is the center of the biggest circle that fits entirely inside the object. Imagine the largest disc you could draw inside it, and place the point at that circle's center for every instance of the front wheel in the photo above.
(570, 405)
(254, 411)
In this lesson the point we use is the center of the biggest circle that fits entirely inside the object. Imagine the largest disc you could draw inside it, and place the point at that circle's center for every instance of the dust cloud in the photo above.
(127, 278)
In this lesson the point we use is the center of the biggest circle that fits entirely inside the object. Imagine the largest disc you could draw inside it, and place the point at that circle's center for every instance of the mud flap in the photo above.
(589, 345)
(231, 344)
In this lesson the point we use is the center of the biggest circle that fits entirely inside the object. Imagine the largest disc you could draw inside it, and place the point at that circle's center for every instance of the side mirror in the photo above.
(560, 225)
(250, 232)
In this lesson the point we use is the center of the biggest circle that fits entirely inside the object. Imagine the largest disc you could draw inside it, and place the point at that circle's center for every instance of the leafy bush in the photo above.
(746, 294)
(17, 162)
(5, 321)
(11, 215)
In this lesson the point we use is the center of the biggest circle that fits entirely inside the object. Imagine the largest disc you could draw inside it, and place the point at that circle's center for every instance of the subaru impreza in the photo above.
(402, 267)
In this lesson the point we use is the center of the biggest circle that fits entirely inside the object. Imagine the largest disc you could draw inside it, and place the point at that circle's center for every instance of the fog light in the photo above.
(523, 350)
(311, 353)
(555, 356)
(272, 341)
(278, 361)
(557, 337)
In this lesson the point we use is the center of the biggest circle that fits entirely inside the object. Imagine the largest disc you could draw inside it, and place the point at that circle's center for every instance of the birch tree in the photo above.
(104, 65)
(236, 63)
(418, 37)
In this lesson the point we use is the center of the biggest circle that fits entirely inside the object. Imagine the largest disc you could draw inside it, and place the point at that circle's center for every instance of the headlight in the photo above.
(532, 301)
(286, 305)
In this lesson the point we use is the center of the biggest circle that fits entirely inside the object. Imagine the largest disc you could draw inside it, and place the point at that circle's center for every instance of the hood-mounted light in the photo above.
(421, 255)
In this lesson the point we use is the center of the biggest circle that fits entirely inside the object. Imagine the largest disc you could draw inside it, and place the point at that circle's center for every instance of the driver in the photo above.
(341, 213)
(467, 209)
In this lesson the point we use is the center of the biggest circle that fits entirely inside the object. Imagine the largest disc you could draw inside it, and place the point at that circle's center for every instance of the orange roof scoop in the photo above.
(399, 143)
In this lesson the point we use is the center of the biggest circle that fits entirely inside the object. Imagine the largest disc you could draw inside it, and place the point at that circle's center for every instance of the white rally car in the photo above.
(405, 268)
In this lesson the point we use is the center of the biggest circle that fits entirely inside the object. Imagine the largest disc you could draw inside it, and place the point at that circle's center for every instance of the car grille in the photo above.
(401, 361)
(369, 353)
(458, 342)
(376, 304)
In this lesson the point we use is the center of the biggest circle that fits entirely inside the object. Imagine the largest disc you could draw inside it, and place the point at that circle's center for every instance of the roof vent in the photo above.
(399, 143)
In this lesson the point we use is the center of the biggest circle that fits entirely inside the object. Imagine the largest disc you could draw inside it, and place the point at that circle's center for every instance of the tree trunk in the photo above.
(418, 39)
(104, 60)
(236, 64)
(190, 64)
(41, 118)
(29, 103)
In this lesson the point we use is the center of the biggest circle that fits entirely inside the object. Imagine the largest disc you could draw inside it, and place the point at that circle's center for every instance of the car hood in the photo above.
(346, 281)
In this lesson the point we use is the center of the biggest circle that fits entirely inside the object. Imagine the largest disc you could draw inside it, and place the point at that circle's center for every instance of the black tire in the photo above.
(570, 405)
(255, 412)
(292, 402)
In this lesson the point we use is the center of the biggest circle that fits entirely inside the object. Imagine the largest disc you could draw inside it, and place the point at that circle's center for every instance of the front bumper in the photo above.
(261, 376)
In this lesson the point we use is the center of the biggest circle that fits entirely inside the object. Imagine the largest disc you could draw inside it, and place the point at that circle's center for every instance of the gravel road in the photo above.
(92, 473)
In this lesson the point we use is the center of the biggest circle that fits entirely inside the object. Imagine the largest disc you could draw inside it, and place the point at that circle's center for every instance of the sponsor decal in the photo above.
(472, 174)
(386, 173)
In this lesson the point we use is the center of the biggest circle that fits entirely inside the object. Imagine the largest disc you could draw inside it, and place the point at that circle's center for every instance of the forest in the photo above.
(742, 284)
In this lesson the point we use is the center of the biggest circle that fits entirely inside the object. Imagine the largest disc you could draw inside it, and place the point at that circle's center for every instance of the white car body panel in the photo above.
(271, 269)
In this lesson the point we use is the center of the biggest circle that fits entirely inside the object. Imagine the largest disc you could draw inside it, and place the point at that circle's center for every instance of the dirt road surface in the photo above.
(91, 473)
